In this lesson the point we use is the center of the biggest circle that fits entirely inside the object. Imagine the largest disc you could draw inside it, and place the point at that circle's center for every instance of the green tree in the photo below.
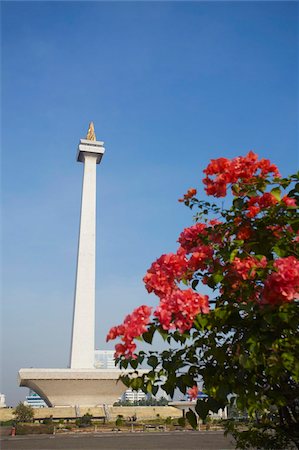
(243, 343)
(23, 413)
(84, 421)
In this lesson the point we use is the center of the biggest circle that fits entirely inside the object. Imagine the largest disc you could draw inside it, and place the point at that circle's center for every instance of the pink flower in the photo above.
(282, 285)
(179, 308)
(243, 170)
(164, 272)
(244, 232)
(193, 392)
(115, 332)
(253, 211)
(191, 237)
(246, 267)
(200, 257)
(289, 201)
(190, 193)
(266, 200)
(134, 325)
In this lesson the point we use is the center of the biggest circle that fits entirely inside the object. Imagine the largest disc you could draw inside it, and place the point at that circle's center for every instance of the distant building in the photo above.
(34, 400)
(133, 396)
(104, 359)
(2, 401)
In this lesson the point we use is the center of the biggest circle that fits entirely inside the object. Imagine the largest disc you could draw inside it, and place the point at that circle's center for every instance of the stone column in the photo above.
(83, 334)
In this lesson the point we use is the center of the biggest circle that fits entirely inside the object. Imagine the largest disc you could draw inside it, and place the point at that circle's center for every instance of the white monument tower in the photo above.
(90, 152)
(81, 384)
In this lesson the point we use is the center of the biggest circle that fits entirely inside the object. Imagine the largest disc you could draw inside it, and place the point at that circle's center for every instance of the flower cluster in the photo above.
(288, 201)
(200, 258)
(256, 204)
(193, 392)
(191, 237)
(134, 325)
(178, 309)
(282, 285)
(163, 273)
(189, 194)
(245, 268)
(227, 256)
(243, 169)
(244, 232)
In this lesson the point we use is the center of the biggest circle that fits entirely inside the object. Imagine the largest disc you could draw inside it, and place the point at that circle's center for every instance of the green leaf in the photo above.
(276, 192)
(136, 383)
(202, 409)
(152, 361)
(214, 405)
(238, 203)
(155, 389)
(149, 387)
(279, 251)
(134, 363)
(192, 419)
(188, 380)
(124, 363)
(200, 322)
(218, 277)
(233, 254)
(163, 333)
(148, 335)
(194, 284)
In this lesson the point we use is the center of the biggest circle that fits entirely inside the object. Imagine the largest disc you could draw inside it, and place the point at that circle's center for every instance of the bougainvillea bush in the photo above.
(241, 341)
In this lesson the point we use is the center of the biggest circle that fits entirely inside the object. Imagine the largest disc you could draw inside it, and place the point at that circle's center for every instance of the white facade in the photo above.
(104, 359)
(83, 335)
(2, 401)
(133, 396)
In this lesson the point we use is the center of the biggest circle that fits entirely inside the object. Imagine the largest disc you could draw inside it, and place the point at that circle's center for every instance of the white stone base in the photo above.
(71, 387)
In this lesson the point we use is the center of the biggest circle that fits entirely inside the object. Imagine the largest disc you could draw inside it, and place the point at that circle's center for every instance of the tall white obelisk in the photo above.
(90, 152)
(81, 384)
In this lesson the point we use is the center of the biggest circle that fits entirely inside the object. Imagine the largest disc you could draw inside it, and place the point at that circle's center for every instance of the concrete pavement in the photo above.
(176, 440)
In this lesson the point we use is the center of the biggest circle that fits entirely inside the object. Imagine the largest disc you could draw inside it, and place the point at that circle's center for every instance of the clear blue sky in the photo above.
(169, 85)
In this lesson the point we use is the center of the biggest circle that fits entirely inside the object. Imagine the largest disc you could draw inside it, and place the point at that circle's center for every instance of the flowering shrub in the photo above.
(241, 341)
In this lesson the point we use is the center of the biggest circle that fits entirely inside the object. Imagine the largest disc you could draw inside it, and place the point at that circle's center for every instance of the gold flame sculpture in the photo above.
(91, 136)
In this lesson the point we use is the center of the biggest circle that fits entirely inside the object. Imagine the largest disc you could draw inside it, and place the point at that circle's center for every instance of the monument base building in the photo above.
(73, 387)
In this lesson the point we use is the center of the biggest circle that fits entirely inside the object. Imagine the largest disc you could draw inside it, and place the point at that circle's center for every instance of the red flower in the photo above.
(246, 267)
(283, 285)
(193, 392)
(244, 232)
(179, 309)
(242, 170)
(200, 257)
(190, 193)
(266, 200)
(115, 332)
(253, 211)
(134, 325)
(255, 204)
(191, 237)
(164, 272)
(289, 201)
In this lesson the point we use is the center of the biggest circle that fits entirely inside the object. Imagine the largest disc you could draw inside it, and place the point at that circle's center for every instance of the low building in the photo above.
(2, 401)
(34, 400)
(133, 396)
(104, 359)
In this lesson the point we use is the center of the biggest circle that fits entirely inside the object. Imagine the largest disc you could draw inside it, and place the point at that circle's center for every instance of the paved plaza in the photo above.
(191, 440)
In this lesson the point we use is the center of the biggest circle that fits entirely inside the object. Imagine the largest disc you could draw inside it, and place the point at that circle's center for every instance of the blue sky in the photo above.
(169, 85)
